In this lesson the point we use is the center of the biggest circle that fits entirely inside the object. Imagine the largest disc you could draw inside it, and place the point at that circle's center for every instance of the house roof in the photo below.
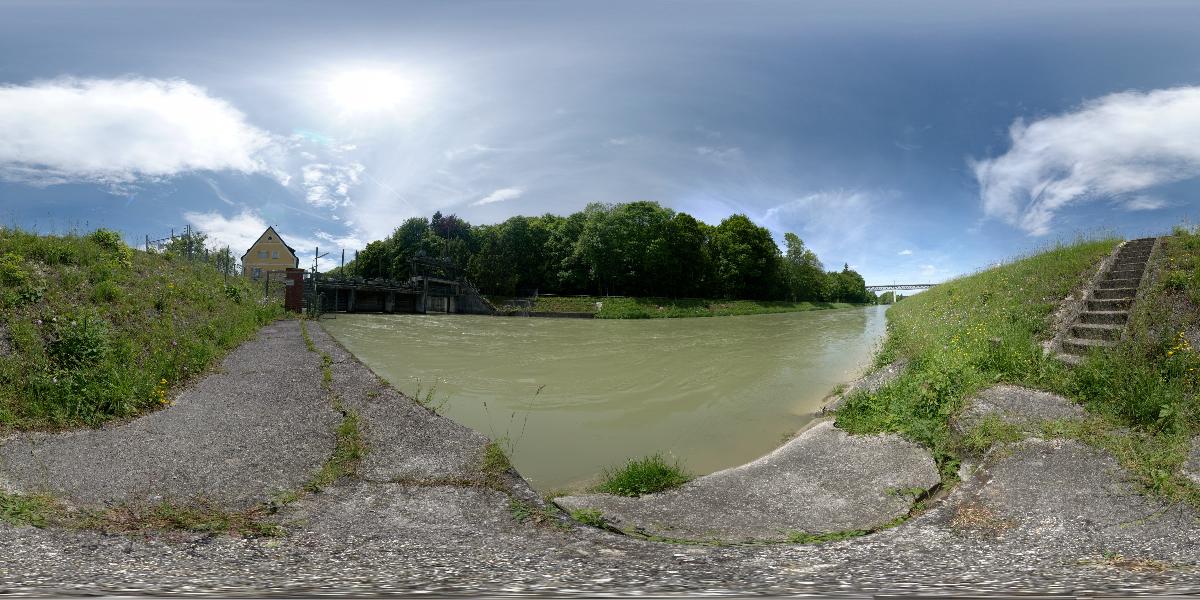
(272, 231)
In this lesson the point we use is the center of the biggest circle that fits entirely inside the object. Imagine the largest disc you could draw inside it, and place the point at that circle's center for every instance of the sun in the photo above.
(373, 90)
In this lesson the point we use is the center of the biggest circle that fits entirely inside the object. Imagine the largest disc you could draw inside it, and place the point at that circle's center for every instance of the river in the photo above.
(576, 396)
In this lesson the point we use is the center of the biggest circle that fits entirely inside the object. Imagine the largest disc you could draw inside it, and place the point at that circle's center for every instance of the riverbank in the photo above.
(619, 307)
(419, 512)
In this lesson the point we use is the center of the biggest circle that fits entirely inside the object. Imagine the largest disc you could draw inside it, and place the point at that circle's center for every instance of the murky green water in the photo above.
(712, 392)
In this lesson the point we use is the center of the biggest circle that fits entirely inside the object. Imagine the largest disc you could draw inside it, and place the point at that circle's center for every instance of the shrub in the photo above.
(105, 291)
(643, 476)
(78, 341)
(12, 270)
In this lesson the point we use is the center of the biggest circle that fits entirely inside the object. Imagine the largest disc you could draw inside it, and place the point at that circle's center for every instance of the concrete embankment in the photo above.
(422, 515)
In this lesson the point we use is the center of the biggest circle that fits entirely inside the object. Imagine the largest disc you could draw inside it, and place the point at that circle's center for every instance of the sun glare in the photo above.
(360, 91)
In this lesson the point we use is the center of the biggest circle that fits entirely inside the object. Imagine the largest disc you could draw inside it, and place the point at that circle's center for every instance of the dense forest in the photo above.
(634, 249)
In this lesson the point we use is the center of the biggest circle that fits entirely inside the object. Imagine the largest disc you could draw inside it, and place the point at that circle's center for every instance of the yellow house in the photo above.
(269, 254)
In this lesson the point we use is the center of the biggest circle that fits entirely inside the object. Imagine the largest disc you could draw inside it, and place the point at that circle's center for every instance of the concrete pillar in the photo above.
(350, 302)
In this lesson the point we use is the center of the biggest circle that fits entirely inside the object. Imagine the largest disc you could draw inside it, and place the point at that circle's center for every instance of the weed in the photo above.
(26, 510)
(800, 537)
(200, 518)
(990, 430)
(589, 516)
(347, 454)
(523, 511)
(643, 476)
(495, 463)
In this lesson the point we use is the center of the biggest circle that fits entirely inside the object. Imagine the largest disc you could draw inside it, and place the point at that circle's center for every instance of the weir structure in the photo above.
(436, 286)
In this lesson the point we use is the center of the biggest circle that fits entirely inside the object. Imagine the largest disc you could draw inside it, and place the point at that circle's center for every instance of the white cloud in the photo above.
(500, 195)
(238, 232)
(1144, 203)
(117, 131)
(905, 252)
(328, 185)
(720, 154)
(349, 242)
(1118, 144)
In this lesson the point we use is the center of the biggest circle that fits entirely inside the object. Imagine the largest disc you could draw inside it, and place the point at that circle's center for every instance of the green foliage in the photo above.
(588, 516)
(990, 431)
(348, 452)
(26, 510)
(636, 249)
(964, 335)
(147, 321)
(495, 462)
(643, 476)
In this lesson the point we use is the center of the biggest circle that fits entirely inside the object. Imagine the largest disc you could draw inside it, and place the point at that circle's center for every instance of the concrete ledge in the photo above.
(823, 481)
(1015, 405)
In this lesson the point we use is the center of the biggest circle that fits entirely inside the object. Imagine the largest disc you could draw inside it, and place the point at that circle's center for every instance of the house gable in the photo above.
(270, 242)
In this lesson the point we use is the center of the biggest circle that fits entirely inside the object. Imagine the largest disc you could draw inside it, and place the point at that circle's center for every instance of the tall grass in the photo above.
(92, 330)
(987, 328)
(965, 334)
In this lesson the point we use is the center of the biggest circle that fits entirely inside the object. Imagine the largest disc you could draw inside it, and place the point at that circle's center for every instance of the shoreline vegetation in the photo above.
(984, 329)
(637, 249)
(621, 307)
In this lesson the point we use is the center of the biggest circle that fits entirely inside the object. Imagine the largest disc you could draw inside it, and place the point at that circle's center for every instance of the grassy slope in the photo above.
(648, 308)
(91, 330)
(986, 328)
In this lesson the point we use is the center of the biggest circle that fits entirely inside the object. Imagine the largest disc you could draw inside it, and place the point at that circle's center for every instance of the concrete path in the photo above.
(823, 481)
(1015, 405)
(259, 425)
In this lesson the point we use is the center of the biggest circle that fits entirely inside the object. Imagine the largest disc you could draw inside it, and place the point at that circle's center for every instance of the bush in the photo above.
(78, 341)
(643, 476)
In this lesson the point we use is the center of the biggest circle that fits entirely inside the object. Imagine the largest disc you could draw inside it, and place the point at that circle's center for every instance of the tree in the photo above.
(745, 257)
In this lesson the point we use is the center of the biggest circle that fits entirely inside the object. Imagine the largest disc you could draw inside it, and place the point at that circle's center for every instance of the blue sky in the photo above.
(914, 141)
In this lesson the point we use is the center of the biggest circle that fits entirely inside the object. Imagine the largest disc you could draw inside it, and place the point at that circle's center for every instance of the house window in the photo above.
(262, 253)
(275, 254)
(257, 272)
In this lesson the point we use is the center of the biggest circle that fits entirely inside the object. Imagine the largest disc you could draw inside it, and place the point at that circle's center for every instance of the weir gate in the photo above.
(419, 294)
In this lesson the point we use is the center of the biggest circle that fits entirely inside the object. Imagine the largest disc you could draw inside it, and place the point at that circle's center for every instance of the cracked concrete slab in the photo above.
(1054, 492)
(823, 481)
(259, 425)
(1015, 405)
(407, 442)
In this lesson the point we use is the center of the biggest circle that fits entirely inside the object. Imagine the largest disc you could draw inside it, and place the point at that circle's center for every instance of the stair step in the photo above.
(1109, 305)
(1097, 332)
(1104, 317)
(1114, 293)
(1132, 258)
(1084, 346)
(1109, 284)
(1139, 267)
(1126, 274)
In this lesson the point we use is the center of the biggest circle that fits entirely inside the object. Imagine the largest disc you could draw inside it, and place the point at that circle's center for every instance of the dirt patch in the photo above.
(977, 519)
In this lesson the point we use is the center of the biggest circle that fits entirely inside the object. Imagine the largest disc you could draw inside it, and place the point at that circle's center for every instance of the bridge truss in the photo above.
(900, 286)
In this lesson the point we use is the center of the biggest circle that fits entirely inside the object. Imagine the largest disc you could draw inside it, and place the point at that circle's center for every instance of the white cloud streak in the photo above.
(328, 185)
(238, 232)
(500, 195)
(117, 131)
(1115, 145)
(905, 252)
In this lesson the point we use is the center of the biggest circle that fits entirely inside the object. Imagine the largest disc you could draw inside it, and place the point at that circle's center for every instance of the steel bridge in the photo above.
(900, 286)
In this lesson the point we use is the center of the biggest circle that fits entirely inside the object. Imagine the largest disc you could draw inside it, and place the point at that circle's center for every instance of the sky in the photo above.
(914, 141)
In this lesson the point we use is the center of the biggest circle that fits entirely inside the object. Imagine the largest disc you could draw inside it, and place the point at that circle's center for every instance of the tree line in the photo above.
(632, 249)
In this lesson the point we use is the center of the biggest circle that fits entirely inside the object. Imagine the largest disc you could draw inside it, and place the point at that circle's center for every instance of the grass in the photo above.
(589, 516)
(92, 330)
(643, 476)
(348, 453)
(27, 510)
(166, 516)
(986, 328)
(613, 307)
(495, 464)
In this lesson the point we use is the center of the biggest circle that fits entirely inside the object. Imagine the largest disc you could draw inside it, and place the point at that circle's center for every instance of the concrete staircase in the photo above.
(1106, 310)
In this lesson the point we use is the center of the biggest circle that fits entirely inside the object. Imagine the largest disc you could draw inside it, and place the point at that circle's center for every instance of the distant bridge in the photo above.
(900, 286)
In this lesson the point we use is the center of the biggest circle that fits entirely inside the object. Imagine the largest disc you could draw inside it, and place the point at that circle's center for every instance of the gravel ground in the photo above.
(1049, 516)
